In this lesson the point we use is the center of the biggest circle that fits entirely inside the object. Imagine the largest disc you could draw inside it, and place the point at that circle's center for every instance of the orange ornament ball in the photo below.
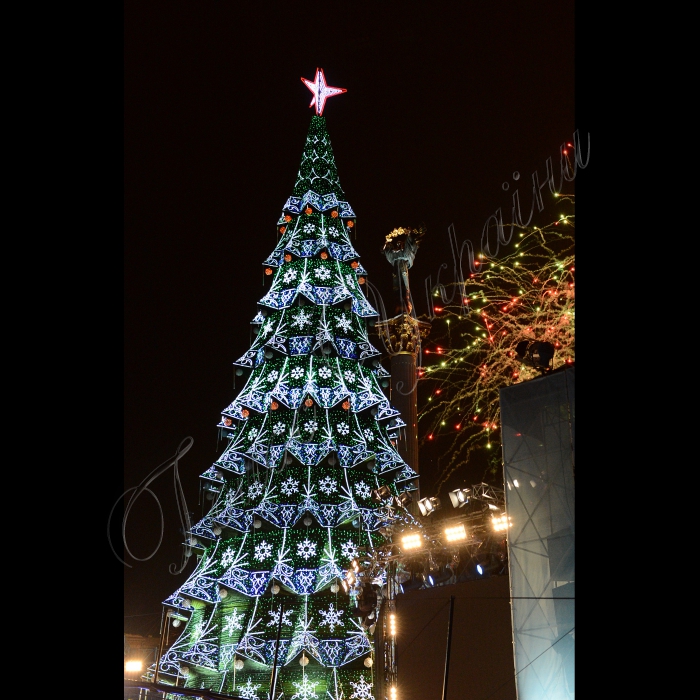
(268, 270)
(351, 224)
(274, 405)
(309, 402)
(227, 422)
(354, 264)
(287, 217)
(361, 280)
(324, 255)
(245, 412)
(308, 210)
(346, 405)
(283, 229)
(334, 214)
(287, 257)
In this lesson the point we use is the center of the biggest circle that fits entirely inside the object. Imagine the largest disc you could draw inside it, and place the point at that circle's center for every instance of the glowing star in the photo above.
(320, 90)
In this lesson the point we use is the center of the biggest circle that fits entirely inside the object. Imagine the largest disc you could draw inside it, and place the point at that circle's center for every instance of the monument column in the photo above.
(402, 335)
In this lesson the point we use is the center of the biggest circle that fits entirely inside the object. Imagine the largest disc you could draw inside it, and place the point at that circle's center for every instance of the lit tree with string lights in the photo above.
(271, 610)
(511, 308)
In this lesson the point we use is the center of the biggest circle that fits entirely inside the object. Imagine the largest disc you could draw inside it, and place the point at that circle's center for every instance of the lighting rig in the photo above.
(429, 552)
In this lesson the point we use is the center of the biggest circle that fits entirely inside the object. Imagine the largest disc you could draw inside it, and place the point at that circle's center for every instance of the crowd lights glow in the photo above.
(411, 541)
(457, 532)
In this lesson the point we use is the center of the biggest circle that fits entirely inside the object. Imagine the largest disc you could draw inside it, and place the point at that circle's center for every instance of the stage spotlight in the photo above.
(535, 354)
(455, 533)
(428, 506)
(381, 494)
(403, 499)
(459, 497)
(412, 540)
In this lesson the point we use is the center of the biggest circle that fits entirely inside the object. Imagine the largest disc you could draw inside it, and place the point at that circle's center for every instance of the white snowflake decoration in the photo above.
(311, 426)
(323, 273)
(369, 435)
(324, 373)
(263, 550)
(363, 690)
(350, 279)
(278, 428)
(349, 375)
(297, 373)
(309, 228)
(306, 689)
(331, 617)
(289, 275)
(228, 556)
(233, 622)
(349, 550)
(255, 489)
(275, 618)
(343, 322)
(267, 327)
(362, 489)
(249, 690)
(306, 548)
(289, 486)
(198, 631)
(301, 319)
(327, 485)
(342, 428)
(252, 433)
(272, 377)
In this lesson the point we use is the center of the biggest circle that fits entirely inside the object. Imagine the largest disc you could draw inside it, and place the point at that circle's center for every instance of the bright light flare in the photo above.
(411, 541)
(455, 533)
(133, 666)
(501, 522)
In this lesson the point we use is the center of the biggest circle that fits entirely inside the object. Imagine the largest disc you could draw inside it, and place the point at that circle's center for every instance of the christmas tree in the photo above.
(288, 584)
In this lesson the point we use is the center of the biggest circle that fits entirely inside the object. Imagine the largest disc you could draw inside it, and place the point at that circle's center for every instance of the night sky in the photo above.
(444, 103)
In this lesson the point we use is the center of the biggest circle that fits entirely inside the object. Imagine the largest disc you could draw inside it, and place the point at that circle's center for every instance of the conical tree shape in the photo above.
(310, 436)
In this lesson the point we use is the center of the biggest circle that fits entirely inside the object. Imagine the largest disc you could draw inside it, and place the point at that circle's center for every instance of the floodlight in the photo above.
(412, 540)
(501, 522)
(403, 499)
(455, 533)
(381, 494)
(459, 497)
(132, 666)
(429, 505)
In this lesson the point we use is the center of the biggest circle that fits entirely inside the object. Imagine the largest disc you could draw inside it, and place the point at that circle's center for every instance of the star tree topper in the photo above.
(321, 91)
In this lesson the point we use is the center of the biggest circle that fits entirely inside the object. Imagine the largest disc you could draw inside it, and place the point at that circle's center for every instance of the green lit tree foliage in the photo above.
(524, 295)
(309, 437)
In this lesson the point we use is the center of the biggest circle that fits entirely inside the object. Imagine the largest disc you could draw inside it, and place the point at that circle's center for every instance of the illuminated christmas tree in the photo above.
(311, 438)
